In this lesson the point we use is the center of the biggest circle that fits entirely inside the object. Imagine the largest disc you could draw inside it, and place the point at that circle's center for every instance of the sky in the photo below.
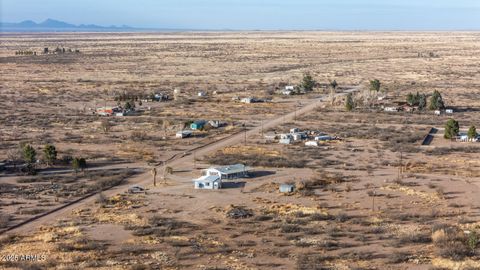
(254, 14)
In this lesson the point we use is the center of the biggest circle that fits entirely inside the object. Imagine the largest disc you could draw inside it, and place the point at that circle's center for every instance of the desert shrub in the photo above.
(138, 136)
(81, 244)
(453, 243)
(290, 228)
(101, 199)
(257, 160)
(413, 237)
(4, 220)
(263, 218)
(398, 257)
(313, 262)
(320, 217)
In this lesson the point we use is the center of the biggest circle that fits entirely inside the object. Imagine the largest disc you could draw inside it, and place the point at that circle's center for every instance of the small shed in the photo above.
(449, 111)
(287, 188)
(198, 124)
(438, 112)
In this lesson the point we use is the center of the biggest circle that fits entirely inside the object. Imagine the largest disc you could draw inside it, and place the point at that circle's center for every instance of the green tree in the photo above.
(349, 103)
(83, 164)
(422, 102)
(50, 154)
(76, 164)
(334, 84)
(308, 82)
(129, 105)
(451, 129)
(375, 85)
(411, 99)
(472, 132)
(436, 101)
(29, 154)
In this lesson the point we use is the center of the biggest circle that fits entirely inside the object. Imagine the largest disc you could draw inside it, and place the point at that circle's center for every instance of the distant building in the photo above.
(270, 136)
(208, 182)
(198, 124)
(449, 111)
(298, 136)
(437, 112)
(324, 138)
(287, 188)
(228, 172)
(202, 94)
(289, 88)
(391, 109)
(216, 123)
(183, 134)
(136, 189)
(311, 143)
(247, 100)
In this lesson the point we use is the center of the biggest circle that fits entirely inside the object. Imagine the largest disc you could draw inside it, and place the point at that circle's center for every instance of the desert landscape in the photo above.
(340, 150)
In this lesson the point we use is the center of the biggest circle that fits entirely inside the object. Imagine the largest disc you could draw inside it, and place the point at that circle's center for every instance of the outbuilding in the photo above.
(287, 188)
(198, 124)
(208, 182)
(183, 134)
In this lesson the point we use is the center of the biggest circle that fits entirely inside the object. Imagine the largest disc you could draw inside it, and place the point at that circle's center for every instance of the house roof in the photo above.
(236, 168)
(208, 178)
(200, 122)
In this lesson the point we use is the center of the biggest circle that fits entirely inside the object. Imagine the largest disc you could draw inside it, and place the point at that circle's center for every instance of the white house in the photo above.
(289, 88)
(183, 134)
(449, 111)
(228, 172)
(311, 143)
(208, 182)
(438, 112)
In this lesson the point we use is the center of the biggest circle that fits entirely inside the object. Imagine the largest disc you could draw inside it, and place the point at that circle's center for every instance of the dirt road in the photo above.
(146, 179)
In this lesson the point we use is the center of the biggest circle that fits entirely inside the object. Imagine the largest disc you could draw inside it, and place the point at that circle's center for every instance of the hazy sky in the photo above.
(254, 14)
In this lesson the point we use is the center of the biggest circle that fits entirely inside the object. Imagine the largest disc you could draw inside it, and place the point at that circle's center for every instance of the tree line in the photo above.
(28, 154)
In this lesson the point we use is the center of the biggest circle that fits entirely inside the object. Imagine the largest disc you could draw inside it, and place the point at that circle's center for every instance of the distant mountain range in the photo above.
(51, 25)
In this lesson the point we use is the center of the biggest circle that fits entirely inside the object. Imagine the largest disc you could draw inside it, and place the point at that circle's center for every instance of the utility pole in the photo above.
(373, 199)
(400, 165)
(194, 161)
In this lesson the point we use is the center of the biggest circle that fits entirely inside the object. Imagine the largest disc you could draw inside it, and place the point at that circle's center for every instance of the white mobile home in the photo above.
(228, 172)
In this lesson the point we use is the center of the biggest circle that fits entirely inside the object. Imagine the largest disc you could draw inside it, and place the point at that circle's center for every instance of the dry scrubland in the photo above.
(352, 208)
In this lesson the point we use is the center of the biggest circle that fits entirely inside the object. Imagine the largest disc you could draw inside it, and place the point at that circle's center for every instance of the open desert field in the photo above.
(373, 186)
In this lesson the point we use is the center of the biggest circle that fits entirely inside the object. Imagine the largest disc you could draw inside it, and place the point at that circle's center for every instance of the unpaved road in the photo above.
(146, 178)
